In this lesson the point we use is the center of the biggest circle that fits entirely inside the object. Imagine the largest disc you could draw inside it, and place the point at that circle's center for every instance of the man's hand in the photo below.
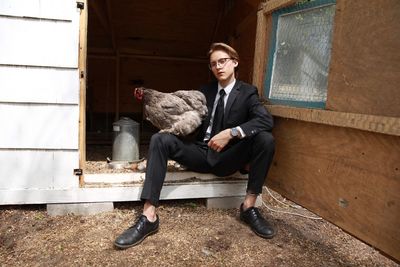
(220, 140)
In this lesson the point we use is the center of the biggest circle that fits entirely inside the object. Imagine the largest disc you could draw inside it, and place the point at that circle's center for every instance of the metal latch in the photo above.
(80, 5)
(78, 172)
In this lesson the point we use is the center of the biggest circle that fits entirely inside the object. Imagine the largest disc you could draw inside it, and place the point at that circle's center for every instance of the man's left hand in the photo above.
(220, 140)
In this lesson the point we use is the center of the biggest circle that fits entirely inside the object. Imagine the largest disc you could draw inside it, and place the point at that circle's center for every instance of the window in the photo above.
(300, 51)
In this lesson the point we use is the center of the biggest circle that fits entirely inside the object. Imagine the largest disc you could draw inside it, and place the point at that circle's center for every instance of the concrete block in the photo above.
(228, 202)
(79, 208)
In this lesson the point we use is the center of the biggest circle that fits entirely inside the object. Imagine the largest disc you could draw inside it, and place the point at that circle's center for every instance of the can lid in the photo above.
(125, 121)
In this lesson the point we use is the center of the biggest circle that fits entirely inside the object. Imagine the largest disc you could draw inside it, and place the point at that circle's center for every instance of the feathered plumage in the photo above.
(179, 113)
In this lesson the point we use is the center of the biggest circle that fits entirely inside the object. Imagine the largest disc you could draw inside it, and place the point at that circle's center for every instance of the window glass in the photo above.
(301, 55)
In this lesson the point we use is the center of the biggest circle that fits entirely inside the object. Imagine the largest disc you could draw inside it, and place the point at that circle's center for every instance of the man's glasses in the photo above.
(219, 63)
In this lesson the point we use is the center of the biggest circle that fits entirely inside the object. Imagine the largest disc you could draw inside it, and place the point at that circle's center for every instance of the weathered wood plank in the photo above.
(82, 65)
(347, 176)
(364, 74)
(138, 177)
(371, 123)
(37, 126)
(272, 5)
(38, 85)
(261, 50)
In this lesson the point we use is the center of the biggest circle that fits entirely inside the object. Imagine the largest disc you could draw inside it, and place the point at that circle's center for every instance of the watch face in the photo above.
(234, 132)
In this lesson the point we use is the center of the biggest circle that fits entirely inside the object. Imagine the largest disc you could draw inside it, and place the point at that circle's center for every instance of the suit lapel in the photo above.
(210, 94)
(231, 99)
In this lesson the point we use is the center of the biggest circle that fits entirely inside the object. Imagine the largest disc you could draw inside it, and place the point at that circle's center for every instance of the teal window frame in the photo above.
(268, 73)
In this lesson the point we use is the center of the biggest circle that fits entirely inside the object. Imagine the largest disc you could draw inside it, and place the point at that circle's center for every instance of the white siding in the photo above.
(39, 97)
(39, 85)
(39, 126)
(39, 42)
(47, 9)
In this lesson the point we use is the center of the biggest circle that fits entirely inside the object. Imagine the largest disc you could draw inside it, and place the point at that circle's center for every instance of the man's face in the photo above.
(222, 66)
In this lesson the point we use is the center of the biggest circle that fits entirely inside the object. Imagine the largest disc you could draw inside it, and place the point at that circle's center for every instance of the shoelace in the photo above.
(139, 225)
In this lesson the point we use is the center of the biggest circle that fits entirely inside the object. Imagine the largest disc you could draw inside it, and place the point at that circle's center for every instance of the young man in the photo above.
(236, 132)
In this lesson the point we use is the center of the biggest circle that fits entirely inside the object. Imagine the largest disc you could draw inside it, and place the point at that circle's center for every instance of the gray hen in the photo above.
(178, 113)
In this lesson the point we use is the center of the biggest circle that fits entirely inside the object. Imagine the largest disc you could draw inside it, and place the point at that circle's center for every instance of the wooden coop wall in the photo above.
(343, 163)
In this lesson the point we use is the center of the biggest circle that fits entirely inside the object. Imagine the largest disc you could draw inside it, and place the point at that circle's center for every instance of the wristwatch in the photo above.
(235, 132)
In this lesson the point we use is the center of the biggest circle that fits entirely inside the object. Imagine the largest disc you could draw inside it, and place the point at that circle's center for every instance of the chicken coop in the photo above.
(329, 71)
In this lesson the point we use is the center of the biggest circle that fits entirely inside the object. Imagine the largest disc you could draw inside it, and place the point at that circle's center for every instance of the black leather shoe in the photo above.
(137, 232)
(257, 223)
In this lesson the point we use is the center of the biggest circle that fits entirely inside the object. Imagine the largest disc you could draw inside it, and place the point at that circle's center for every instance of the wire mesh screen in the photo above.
(302, 55)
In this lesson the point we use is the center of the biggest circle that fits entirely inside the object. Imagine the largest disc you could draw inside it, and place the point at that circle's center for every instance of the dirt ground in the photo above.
(189, 235)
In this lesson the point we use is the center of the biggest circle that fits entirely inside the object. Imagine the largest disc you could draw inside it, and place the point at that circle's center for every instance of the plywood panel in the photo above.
(39, 126)
(22, 169)
(39, 42)
(349, 177)
(47, 9)
(39, 85)
(364, 74)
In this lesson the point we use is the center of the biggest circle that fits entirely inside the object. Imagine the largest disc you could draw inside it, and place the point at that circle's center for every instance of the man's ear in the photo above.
(235, 63)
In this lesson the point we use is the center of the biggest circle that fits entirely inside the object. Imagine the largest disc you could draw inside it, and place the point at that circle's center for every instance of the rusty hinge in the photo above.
(78, 172)
(80, 5)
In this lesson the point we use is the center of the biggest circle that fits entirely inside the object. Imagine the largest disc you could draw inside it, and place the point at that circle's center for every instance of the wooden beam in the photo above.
(83, 22)
(371, 123)
(260, 51)
(217, 23)
(100, 15)
(150, 57)
(117, 83)
(110, 22)
(272, 5)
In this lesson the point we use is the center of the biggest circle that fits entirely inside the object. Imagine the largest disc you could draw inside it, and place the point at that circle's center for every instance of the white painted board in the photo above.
(38, 169)
(47, 9)
(39, 42)
(105, 194)
(39, 126)
(39, 85)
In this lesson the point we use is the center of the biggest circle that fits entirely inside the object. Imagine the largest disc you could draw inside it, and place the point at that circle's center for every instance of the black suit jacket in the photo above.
(243, 109)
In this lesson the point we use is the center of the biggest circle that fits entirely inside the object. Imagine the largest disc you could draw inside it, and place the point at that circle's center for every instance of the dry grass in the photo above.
(190, 235)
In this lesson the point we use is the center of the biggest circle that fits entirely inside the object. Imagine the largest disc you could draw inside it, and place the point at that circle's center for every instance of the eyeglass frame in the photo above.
(214, 64)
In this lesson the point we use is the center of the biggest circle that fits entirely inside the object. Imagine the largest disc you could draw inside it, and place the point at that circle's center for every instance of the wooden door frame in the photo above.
(82, 67)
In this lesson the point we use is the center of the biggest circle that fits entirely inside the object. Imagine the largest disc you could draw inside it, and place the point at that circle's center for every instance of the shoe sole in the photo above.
(137, 243)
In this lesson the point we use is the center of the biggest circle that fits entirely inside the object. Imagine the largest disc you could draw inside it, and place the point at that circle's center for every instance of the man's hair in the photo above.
(223, 47)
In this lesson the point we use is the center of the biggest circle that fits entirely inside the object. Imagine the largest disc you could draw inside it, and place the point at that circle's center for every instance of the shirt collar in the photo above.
(228, 88)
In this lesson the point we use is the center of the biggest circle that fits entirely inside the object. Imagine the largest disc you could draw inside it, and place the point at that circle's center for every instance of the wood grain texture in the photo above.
(349, 177)
(82, 66)
(371, 123)
(260, 50)
(364, 74)
(272, 5)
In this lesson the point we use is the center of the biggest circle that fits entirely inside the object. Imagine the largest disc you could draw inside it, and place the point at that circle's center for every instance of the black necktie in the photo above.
(219, 114)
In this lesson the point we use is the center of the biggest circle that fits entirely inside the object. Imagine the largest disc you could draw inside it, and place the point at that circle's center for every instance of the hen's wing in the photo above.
(195, 99)
(162, 109)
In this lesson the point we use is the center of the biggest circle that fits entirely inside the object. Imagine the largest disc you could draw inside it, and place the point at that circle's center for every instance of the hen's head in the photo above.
(138, 93)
